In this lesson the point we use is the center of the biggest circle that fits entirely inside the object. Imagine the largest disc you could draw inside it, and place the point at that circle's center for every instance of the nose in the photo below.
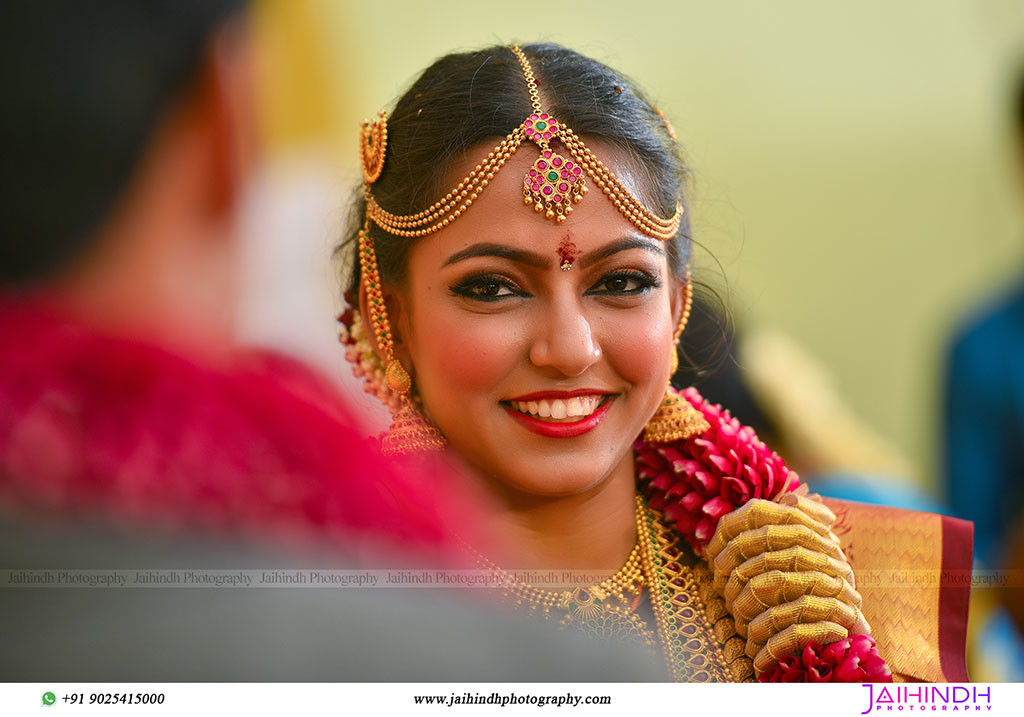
(564, 340)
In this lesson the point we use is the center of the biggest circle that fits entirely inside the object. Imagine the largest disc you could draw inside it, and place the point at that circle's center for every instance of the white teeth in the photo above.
(557, 409)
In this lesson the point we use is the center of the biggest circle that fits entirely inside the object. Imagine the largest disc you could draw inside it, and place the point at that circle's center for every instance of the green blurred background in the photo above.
(856, 173)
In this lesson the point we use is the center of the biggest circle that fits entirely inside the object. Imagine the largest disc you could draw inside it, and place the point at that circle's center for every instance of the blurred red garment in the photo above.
(98, 425)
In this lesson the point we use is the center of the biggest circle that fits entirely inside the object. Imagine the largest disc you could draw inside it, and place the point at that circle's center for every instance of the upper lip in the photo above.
(554, 395)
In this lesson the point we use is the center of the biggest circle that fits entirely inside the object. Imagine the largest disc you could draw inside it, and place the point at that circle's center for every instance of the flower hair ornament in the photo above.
(552, 185)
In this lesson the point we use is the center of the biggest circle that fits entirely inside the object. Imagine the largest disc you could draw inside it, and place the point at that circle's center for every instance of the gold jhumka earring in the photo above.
(676, 419)
(551, 186)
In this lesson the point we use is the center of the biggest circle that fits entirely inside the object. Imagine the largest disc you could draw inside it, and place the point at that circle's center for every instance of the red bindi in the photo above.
(567, 253)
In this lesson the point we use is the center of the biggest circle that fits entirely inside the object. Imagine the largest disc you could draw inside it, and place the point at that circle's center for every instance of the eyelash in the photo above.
(470, 287)
(645, 282)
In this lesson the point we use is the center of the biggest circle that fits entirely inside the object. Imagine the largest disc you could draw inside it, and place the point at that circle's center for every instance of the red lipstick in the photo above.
(559, 430)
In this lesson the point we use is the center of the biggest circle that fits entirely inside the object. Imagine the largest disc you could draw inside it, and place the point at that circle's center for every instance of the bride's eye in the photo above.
(625, 283)
(487, 287)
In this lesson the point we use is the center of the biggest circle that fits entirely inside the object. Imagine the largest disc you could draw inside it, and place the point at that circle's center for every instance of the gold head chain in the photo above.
(551, 186)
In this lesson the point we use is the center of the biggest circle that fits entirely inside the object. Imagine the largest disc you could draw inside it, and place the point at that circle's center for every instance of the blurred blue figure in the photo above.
(984, 423)
(983, 437)
(983, 445)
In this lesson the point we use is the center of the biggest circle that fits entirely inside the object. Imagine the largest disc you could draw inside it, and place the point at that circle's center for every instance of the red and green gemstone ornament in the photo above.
(553, 182)
(541, 128)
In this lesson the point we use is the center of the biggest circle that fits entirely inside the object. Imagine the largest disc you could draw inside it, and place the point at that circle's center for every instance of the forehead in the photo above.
(499, 215)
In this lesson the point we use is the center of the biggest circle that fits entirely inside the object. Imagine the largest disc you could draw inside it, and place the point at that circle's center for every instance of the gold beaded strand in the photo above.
(409, 432)
(442, 213)
(457, 201)
(531, 81)
(684, 319)
(628, 206)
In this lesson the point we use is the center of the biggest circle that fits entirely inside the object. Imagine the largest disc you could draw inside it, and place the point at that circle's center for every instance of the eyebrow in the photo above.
(623, 244)
(540, 261)
(502, 251)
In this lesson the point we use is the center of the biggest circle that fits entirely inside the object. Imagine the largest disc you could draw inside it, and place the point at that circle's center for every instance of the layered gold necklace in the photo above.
(696, 634)
(607, 609)
(628, 580)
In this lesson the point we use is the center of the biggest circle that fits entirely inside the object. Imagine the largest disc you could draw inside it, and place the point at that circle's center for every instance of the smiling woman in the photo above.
(530, 325)
(520, 331)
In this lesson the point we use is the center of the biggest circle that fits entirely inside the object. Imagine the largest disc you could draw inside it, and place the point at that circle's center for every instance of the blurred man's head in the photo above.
(1016, 107)
(126, 135)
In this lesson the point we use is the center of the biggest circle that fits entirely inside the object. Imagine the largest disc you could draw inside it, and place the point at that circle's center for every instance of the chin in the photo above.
(520, 461)
(557, 476)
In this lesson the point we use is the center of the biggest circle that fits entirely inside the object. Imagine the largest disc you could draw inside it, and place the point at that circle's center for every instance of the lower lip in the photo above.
(561, 430)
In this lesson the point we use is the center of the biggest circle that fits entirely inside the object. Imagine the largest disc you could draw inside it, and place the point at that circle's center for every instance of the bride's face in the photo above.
(540, 378)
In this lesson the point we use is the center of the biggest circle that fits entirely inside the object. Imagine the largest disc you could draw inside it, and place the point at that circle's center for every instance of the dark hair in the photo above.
(467, 99)
(83, 87)
(1017, 97)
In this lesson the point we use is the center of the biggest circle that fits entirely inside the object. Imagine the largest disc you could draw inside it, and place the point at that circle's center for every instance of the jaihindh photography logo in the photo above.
(933, 698)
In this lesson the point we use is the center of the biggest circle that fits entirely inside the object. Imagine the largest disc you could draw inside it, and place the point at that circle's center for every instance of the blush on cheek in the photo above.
(466, 354)
(638, 350)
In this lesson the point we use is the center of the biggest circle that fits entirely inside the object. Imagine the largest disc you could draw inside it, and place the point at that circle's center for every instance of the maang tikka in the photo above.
(552, 185)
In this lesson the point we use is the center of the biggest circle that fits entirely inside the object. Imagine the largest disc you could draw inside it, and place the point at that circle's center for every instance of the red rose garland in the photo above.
(696, 481)
(854, 659)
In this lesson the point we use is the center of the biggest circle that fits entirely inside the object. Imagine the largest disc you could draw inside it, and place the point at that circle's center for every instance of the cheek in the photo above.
(458, 353)
(639, 347)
